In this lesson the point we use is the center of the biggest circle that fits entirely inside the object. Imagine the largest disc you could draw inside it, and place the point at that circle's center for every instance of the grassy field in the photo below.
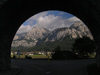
(39, 56)
(31, 56)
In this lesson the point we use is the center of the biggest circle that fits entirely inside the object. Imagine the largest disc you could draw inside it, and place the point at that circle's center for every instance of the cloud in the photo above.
(24, 29)
(52, 22)
(48, 21)
(34, 18)
(73, 19)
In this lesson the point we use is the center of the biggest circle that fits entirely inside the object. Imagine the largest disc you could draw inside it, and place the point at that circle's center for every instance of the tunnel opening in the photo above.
(60, 38)
(14, 13)
(53, 35)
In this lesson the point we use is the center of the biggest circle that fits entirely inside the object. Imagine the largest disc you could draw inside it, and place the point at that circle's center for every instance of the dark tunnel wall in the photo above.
(14, 12)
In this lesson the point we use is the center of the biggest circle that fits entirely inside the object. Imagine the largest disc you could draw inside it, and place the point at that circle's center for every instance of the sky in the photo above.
(47, 14)
(47, 19)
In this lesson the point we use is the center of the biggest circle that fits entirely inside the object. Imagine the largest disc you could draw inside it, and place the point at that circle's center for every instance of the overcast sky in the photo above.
(47, 19)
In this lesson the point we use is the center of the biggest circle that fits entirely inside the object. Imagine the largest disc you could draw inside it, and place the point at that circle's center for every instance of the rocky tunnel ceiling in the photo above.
(14, 12)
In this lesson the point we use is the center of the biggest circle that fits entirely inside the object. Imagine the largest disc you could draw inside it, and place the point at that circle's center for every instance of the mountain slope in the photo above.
(40, 38)
(30, 38)
(77, 30)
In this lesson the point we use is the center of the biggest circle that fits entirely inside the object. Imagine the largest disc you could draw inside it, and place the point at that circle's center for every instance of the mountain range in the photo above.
(39, 37)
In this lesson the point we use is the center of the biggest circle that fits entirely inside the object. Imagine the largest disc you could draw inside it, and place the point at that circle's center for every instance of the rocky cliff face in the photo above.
(30, 38)
(81, 29)
(76, 30)
(36, 33)
(34, 36)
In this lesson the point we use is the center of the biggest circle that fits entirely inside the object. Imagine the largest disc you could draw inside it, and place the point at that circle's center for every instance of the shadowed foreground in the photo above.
(49, 67)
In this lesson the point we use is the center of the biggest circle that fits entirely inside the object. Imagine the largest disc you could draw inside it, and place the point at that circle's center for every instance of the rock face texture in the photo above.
(30, 38)
(34, 36)
(76, 30)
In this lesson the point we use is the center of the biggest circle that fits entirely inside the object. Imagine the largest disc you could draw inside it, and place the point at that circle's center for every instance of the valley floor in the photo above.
(49, 67)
